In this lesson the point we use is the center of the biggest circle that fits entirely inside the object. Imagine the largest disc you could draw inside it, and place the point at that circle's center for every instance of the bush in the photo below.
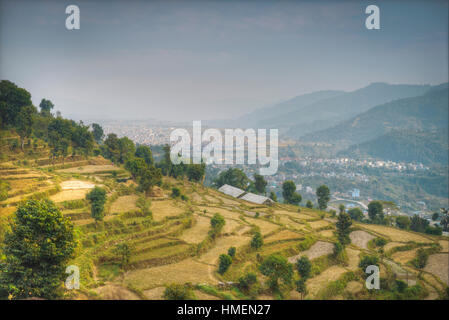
(421, 258)
(231, 252)
(257, 241)
(175, 192)
(368, 261)
(178, 292)
(224, 263)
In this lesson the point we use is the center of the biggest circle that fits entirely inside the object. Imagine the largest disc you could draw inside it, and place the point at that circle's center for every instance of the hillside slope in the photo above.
(425, 113)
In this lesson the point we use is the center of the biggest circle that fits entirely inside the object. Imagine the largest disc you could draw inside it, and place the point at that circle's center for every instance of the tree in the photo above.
(344, 222)
(145, 153)
(82, 139)
(12, 100)
(273, 196)
(149, 178)
(289, 194)
(403, 222)
(421, 258)
(355, 214)
(301, 287)
(257, 240)
(112, 148)
(231, 252)
(341, 208)
(126, 149)
(98, 132)
(36, 250)
(195, 172)
(323, 195)
(247, 281)
(59, 136)
(136, 167)
(166, 163)
(260, 183)
(309, 204)
(418, 224)
(435, 216)
(46, 106)
(276, 267)
(224, 263)
(376, 211)
(368, 261)
(217, 223)
(97, 199)
(123, 250)
(233, 177)
(25, 123)
(304, 267)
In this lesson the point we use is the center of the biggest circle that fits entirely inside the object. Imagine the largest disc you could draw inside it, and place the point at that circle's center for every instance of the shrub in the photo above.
(304, 267)
(224, 263)
(257, 241)
(178, 292)
(175, 192)
(368, 261)
(231, 252)
(421, 258)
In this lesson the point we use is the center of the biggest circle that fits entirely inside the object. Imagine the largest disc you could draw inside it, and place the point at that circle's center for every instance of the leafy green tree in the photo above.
(97, 199)
(309, 204)
(25, 123)
(195, 172)
(166, 163)
(289, 194)
(304, 267)
(98, 132)
(343, 224)
(273, 196)
(260, 183)
(175, 192)
(145, 153)
(225, 262)
(59, 137)
(126, 149)
(36, 250)
(257, 240)
(355, 214)
(82, 139)
(123, 250)
(247, 281)
(231, 252)
(342, 208)
(418, 224)
(323, 195)
(149, 178)
(12, 100)
(217, 223)
(136, 167)
(233, 177)
(46, 106)
(301, 287)
(435, 216)
(403, 222)
(112, 148)
(376, 211)
(276, 267)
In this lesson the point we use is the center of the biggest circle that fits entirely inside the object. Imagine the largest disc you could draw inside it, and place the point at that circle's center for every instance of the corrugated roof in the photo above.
(255, 198)
(231, 191)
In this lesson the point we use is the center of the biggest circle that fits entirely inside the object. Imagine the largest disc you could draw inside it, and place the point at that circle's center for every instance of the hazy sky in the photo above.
(212, 59)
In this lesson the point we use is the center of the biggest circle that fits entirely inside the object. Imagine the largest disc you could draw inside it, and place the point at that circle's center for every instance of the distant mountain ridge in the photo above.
(424, 113)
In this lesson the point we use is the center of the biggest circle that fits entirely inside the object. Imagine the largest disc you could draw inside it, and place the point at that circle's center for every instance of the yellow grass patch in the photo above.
(321, 280)
(90, 169)
(282, 235)
(198, 232)
(396, 234)
(354, 287)
(67, 195)
(210, 199)
(181, 272)
(124, 204)
(265, 226)
(319, 224)
(445, 245)
(225, 213)
(115, 292)
(438, 265)
(292, 224)
(165, 208)
(353, 258)
(297, 215)
(155, 293)
(404, 256)
(76, 185)
(327, 233)
(391, 245)
(230, 226)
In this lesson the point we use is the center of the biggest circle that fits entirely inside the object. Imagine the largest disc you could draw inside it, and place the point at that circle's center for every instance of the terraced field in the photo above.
(172, 243)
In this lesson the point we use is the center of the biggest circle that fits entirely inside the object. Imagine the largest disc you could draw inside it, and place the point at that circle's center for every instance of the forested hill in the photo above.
(428, 112)
(404, 146)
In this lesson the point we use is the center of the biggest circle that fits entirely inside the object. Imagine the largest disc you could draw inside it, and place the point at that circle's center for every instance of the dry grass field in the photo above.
(320, 281)
(282, 235)
(438, 264)
(90, 169)
(124, 204)
(319, 224)
(165, 208)
(404, 256)
(67, 195)
(222, 245)
(395, 234)
(320, 248)
(198, 232)
(361, 238)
